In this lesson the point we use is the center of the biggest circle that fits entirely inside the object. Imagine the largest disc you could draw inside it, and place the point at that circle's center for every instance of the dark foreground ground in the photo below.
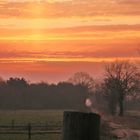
(113, 128)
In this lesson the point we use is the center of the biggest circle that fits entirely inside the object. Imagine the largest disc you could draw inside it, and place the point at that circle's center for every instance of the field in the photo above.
(31, 116)
(123, 128)
(53, 118)
(131, 120)
(22, 117)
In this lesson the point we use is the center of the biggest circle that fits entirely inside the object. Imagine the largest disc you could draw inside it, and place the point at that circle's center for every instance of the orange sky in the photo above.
(52, 39)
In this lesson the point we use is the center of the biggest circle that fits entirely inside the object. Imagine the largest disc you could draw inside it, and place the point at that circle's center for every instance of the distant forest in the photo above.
(119, 90)
(17, 93)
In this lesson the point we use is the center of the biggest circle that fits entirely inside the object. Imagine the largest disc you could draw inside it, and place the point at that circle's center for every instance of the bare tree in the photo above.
(84, 79)
(121, 79)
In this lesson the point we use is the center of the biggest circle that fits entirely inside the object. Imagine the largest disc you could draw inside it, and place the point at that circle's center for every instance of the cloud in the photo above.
(45, 23)
(128, 1)
(91, 53)
(58, 8)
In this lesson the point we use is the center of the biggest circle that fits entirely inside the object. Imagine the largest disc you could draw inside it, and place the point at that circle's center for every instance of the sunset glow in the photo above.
(48, 37)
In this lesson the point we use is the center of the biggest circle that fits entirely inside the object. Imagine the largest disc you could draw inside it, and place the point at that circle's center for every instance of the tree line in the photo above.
(17, 93)
(119, 86)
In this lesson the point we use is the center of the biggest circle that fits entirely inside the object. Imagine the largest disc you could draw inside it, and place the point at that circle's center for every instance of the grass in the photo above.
(134, 113)
(34, 137)
(52, 117)
(37, 117)
(131, 119)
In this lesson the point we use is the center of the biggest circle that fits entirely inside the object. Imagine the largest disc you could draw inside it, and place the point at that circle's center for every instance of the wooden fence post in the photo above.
(29, 131)
(81, 126)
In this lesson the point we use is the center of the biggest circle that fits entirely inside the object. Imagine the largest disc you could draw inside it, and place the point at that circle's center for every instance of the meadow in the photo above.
(35, 117)
(31, 116)
(52, 118)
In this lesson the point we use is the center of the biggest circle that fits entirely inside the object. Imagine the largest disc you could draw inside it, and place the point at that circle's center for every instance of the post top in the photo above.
(76, 113)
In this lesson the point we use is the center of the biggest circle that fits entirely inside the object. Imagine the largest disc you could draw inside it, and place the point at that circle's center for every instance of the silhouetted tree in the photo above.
(121, 79)
(84, 79)
(17, 82)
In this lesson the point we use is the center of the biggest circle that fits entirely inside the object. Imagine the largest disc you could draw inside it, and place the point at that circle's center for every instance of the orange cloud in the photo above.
(61, 37)
(70, 49)
(37, 9)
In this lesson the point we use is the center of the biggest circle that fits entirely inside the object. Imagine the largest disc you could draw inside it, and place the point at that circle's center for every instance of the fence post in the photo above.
(29, 131)
(81, 126)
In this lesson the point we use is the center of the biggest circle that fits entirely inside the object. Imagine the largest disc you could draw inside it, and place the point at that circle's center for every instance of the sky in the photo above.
(50, 40)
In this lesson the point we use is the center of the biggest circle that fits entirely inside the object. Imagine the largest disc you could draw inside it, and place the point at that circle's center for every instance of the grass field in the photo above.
(131, 120)
(34, 137)
(35, 117)
(31, 116)
(51, 117)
